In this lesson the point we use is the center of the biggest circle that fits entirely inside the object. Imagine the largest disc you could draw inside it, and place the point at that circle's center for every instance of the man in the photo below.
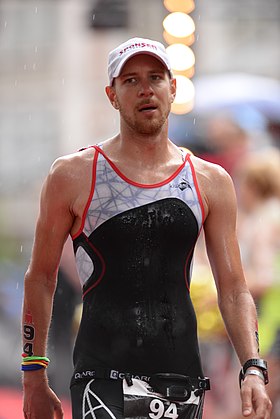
(134, 207)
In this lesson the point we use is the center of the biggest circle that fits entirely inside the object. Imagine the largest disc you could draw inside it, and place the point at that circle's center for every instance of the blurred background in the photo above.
(53, 70)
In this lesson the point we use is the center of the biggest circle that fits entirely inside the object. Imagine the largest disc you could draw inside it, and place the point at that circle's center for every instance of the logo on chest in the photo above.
(182, 185)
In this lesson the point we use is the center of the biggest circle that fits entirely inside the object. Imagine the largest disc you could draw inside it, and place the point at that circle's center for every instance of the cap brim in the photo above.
(119, 68)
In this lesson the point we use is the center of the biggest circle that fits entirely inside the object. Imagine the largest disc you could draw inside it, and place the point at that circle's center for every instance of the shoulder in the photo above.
(208, 170)
(215, 183)
(73, 160)
(210, 174)
(69, 175)
(71, 165)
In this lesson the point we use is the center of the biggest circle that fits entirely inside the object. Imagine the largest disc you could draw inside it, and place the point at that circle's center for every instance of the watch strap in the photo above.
(255, 372)
(254, 362)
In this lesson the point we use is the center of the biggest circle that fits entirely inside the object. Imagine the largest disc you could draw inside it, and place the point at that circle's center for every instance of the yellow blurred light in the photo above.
(187, 40)
(181, 57)
(184, 100)
(182, 108)
(189, 73)
(179, 25)
(186, 6)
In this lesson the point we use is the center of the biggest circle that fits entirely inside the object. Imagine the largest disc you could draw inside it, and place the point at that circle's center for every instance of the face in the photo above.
(143, 94)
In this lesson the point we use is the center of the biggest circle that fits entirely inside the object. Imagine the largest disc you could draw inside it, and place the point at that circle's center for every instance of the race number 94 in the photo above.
(158, 410)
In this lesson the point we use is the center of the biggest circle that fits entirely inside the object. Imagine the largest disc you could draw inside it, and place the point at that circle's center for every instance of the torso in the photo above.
(134, 249)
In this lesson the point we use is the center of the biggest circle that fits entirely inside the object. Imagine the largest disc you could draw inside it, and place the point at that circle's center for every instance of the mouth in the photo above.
(147, 108)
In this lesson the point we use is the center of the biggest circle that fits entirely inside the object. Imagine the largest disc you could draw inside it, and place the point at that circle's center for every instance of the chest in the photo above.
(114, 193)
(145, 175)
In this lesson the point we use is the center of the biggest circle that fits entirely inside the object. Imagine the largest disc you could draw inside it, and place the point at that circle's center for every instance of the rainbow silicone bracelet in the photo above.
(34, 363)
(33, 367)
(35, 358)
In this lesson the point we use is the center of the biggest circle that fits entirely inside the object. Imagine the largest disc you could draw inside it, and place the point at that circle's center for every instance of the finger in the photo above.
(246, 397)
(264, 410)
(27, 415)
(59, 414)
(246, 411)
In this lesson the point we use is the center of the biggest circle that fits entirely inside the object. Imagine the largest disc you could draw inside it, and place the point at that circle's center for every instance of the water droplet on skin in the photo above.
(146, 262)
(139, 341)
(21, 248)
(194, 121)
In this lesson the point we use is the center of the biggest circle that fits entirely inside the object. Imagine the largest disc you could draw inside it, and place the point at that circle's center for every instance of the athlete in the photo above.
(134, 206)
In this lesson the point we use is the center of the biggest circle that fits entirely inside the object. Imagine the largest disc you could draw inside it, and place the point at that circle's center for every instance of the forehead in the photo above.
(142, 61)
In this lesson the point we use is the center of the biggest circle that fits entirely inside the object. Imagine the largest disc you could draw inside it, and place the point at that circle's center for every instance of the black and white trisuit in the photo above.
(134, 254)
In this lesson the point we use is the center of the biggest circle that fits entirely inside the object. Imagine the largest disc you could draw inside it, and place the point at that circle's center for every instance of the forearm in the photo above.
(36, 317)
(240, 317)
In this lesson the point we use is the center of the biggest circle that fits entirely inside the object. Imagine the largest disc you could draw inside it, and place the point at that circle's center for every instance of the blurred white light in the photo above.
(181, 57)
(185, 89)
(184, 100)
(179, 25)
(186, 6)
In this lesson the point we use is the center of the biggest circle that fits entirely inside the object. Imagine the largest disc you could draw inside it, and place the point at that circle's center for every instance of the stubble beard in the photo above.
(150, 127)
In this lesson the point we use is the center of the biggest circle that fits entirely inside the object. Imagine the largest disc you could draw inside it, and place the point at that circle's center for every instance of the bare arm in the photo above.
(235, 301)
(53, 226)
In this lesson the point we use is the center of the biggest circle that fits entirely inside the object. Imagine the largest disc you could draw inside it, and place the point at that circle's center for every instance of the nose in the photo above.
(145, 89)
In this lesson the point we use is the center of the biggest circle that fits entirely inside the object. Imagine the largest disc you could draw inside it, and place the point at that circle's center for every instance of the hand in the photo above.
(41, 402)
(255, 401)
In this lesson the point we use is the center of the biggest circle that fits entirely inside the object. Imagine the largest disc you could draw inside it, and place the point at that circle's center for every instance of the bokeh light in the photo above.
(179, 25)
(184, 100)
(186, 6)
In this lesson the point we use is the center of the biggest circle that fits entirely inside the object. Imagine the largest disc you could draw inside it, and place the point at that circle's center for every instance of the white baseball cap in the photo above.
(119, 56)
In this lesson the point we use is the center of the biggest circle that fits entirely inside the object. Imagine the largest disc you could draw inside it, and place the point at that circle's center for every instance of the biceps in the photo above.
(223, 251)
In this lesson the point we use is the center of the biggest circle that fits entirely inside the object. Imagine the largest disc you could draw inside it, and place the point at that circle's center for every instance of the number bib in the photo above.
(141, 402)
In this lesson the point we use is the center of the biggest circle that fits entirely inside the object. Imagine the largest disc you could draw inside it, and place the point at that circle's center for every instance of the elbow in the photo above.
(45, 281)
(234, 298)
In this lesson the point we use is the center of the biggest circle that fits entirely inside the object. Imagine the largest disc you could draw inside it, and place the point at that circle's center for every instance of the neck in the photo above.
(150, 155)
(145, 144)
(144, 159)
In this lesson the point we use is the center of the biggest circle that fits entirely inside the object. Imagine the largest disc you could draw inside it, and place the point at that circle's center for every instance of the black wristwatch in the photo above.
(255, 362)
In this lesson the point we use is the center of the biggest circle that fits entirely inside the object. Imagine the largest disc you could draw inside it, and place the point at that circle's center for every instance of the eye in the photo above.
(157, 77)
(130, 80)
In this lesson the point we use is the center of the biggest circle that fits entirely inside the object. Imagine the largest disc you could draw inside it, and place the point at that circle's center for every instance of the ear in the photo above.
(111, 94)
(173, 89)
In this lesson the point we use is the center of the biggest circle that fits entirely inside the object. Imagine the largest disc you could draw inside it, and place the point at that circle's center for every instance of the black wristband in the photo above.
(255, 362)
